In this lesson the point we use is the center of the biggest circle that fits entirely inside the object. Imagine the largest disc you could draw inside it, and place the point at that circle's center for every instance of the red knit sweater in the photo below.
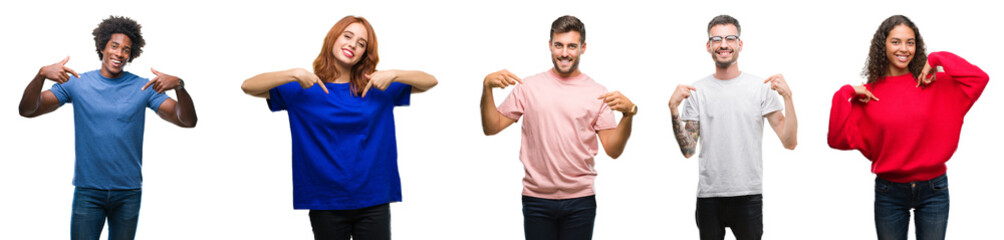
(911, 131)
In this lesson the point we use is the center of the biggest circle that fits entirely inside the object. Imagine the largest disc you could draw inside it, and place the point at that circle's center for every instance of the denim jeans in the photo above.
(368, 223)
(91, 207)
(553, 219)
(928, 199)
(743, 214)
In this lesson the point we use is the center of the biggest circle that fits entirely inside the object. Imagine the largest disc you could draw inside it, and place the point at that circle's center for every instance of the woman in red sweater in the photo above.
(912, 131)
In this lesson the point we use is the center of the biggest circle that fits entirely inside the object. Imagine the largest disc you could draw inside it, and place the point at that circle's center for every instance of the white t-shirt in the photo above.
(731, 113)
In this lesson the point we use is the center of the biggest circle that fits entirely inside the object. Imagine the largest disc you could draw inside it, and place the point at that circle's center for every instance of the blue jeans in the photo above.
(565, 219)
(743, 214)
(91, 207)
(928, 199)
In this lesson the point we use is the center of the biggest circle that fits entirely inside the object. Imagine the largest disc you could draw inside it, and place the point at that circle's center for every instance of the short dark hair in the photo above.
(124, 25)
(725, 20)
(568, 23)
(877, 64)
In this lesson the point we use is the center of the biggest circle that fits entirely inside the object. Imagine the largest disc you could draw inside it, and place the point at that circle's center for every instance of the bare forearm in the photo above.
(418, 80)
(686, 136)
(618, 140)
(31, 100)
(261, 83)
(186, 109)
(489, 113)
(789, 136)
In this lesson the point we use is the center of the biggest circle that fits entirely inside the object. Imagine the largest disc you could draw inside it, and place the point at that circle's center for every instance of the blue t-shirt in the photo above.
(344, 146)
(108, 121)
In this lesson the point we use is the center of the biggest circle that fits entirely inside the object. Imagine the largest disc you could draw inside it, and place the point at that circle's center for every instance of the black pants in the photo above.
(743, 214)
(369, 223)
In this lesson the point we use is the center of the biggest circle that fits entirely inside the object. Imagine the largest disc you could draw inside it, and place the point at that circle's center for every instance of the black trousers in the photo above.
(369, 223)
(743, 214)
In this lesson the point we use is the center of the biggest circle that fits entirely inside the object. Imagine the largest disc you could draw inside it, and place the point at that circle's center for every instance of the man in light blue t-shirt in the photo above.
(725, 112)
(108, 107)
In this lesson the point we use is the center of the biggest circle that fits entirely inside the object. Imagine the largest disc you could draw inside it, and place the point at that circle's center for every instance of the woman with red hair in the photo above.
(341, 119)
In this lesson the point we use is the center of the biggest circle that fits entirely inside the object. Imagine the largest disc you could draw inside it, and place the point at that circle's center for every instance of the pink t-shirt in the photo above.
(561, 117)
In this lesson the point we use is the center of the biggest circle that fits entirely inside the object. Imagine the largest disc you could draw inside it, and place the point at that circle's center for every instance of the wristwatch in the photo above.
(181, 84)
(634, 110)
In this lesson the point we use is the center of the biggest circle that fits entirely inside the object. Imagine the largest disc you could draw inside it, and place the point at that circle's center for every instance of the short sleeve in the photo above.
(770, 101)
(691, 110)
(277, 96)
(400, 93)
(605, 118)
(154, 99)
(62, 91)
(512, 106)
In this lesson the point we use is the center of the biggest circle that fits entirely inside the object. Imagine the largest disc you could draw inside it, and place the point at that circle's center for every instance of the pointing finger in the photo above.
(603, 96)
(367, 76)
(514, 77)
(148, 84)
(71, 71)
(367, 88)
(322, 86)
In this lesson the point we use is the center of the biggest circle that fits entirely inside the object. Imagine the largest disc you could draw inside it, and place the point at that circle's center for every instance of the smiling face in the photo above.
(115, 54)
(565, 50)
(900, 47)
(725, 51)
(350, 46)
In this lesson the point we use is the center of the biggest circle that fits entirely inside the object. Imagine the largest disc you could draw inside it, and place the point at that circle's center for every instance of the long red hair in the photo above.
(324, 65)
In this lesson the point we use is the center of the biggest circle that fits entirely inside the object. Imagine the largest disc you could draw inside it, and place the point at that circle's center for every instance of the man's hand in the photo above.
(501, 79)
(681, 92)
(618, 102)
(778, 84)
(162, 82)
(58, 71)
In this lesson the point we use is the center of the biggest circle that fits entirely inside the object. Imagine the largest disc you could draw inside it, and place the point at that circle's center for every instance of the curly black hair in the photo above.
(124, 25)
(878, 63)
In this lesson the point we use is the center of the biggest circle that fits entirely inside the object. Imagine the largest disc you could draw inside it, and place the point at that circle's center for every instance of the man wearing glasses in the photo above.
(725, 111)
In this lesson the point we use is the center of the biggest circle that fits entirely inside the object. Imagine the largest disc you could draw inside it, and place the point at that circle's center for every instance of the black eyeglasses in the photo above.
(729, 39)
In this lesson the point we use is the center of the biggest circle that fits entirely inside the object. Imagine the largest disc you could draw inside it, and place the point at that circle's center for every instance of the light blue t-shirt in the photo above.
(108, 121)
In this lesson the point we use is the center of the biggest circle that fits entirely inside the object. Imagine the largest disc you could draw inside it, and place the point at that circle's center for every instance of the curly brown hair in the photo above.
(877, 63)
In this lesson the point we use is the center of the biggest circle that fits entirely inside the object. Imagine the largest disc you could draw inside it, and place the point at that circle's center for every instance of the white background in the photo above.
(229, 178)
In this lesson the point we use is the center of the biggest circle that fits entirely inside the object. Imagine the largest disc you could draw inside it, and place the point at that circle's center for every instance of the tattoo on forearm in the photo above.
(687, 135)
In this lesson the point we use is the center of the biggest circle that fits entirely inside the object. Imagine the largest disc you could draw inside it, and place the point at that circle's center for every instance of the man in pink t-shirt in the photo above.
(563, 111)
